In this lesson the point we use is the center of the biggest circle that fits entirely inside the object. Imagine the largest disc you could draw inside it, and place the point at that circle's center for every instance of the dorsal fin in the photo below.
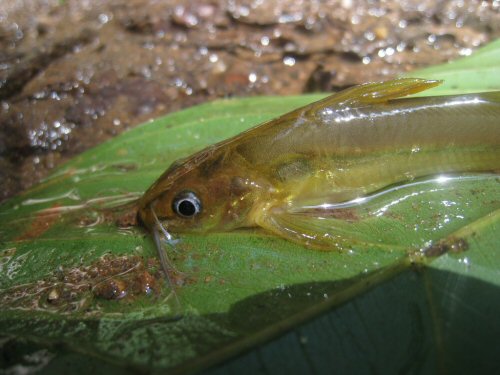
(374, 93)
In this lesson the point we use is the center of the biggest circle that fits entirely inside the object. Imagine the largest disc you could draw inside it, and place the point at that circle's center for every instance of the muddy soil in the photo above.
(74, 73)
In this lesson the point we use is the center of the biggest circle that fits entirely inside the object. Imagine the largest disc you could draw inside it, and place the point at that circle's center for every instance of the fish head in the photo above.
(213, 190)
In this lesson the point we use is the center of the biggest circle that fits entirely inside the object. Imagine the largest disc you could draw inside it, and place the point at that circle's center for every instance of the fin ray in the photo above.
(327, 233)
(384, 219)
(373, 93)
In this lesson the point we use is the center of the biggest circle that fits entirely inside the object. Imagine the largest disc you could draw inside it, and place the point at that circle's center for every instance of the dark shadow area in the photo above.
(398, 327)
(411, 324)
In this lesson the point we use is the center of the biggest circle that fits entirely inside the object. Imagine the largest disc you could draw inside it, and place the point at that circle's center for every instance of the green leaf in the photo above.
(67, 257)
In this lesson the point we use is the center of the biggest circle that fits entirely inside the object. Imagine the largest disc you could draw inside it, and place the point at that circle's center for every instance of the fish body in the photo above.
(341, 148)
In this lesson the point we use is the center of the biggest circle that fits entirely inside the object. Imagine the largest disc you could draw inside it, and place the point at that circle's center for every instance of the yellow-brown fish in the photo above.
(343, 147)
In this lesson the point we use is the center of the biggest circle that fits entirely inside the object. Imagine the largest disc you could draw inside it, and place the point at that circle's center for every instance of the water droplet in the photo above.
(401, 47)
(465, 52)
(213, 58)
(241, 11)
(370, 36)
(252, 77)
(289, 18)
(346, 4)
(103, 18)
(289, 61)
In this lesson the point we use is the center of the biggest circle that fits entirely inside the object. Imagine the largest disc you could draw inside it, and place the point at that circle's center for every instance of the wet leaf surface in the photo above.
(80, 281)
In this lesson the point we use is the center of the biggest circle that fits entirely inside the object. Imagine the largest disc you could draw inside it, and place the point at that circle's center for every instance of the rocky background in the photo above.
(74, 73)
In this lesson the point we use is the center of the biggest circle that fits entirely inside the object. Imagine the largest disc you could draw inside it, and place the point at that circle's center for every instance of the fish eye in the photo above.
(186, 204)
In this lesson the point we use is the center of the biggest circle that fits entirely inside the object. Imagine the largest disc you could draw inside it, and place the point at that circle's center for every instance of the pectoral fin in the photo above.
(409, 216)
(342, 232)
